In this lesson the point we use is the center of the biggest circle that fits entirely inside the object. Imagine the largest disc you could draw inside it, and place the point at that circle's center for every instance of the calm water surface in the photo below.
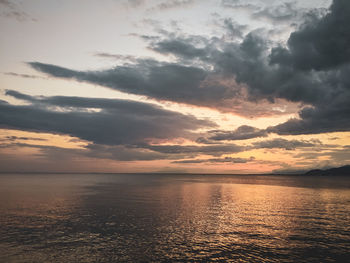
(173, 218)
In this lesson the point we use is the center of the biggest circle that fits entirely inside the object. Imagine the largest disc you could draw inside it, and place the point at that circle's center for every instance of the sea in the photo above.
(174, 218)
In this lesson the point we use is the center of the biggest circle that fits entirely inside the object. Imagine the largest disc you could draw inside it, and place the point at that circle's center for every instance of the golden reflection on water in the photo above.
(221, 218)
(87, 218)
(218, 214)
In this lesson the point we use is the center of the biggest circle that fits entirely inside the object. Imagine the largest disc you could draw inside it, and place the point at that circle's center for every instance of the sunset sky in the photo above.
(197, 86)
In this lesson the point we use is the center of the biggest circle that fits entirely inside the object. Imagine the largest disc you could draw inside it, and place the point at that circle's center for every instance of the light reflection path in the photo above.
(134, 218)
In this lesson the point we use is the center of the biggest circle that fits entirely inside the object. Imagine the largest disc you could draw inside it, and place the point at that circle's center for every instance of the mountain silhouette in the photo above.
(343, 170)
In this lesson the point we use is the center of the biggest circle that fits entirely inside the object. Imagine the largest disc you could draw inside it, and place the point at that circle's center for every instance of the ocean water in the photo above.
(173, 218)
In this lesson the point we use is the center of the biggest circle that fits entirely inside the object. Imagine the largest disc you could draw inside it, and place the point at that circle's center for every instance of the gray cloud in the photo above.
(285, 144)
(22, 75)
(128, 152)
(327, 116)
(214, 150)
(332, 156)
(16, 138)
(180, 47)
(123, 153)
(312, 70)
(249, 63)
(217, 160)
(233, 29)
(194, 85)
(123, 130)
(135, 2)
(340, 156)
(203, 140)
(116, 57)
(11, 9)
(243, 132)
(320, 49)
(174, 4)
(97, 151)
(239, 4)
(221, 149)
(279, 13)
(166, 81)
(116, 122)
(321, 43)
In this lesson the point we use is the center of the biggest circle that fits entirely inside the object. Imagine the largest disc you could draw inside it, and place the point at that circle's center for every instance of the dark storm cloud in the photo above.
(249, 63)
(313, 70)
(243, 132)
(321, 43)
(116, 122)
(160, 80)
(196, 85)
(327, 118)
(191, 84)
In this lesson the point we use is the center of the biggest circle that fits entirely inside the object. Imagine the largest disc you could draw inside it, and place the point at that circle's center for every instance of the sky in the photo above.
(209, 86)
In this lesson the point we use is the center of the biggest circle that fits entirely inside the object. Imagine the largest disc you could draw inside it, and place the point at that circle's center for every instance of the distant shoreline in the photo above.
(339, 171)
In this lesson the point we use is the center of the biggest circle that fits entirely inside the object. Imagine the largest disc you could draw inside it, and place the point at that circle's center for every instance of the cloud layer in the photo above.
(313, 69)
(240, 70)
(102, 121)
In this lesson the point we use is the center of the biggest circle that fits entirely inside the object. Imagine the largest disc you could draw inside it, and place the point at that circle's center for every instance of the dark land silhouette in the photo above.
(343, 170)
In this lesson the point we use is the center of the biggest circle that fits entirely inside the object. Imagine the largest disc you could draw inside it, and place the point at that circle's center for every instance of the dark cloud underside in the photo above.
(115, 122)
(241, 133)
